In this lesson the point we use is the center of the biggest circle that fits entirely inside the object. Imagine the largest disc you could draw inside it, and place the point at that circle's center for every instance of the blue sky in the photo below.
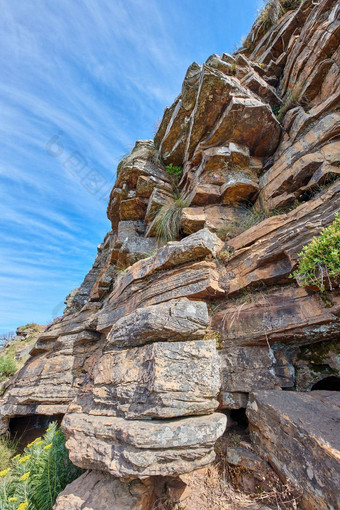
(81, 81)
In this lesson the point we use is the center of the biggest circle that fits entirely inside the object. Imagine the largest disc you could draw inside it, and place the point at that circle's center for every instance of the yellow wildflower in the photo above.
(48, 446)
(12, 500)
(33, 442)
(24, 459)
(16, 457)
(25, 476)
(23, 506)
(4, 472)
(39, 443)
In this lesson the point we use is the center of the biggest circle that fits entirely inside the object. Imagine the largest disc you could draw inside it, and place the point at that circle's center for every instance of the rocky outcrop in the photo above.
(268, 253)
(160, 337)
(259, 317)
(297, 434)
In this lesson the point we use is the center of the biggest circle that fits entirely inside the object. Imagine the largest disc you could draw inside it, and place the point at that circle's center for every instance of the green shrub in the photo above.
(35, 478)
(167, 222)
(175, 171)
(31, 325)
(269, 15)
(319, 262)
(8, 366)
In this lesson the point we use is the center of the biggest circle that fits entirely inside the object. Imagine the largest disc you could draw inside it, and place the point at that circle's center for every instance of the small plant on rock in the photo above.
(212, 334)
(8, 366)
(224, 256)
(319, 263)
(249, 217)
(175, 171)
(293, 98)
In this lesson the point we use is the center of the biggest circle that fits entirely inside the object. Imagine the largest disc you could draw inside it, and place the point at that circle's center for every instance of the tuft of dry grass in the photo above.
(8, 449)
(167, 222)
(248, 218)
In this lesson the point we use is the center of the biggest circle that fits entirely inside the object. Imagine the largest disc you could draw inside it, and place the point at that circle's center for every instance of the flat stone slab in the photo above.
(178, 319)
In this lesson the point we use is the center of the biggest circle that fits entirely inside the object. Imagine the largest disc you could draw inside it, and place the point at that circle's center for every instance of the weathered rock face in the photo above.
(99, 491)
(268, 252)
(297, 433)
(287, 315)
(133, 363)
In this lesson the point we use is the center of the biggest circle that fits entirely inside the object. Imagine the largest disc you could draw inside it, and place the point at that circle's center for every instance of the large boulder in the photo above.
(178, 319)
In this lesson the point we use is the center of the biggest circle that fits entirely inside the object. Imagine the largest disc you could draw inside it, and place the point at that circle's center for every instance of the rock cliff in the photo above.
(163, 340)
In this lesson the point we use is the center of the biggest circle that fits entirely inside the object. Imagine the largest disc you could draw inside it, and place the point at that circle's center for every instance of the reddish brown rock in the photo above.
(287, 315)
(311, 67)
(268, 252)
(213, 217)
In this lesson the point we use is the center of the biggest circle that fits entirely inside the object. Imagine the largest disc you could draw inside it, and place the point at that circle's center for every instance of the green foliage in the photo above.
(8, 448)
(35, 478)
(269, 15)
(293, 98)
(319, 262)
(8, 366)
(224, 256)
(167, 222)
(173, 170)
(32, 325)
(175, 173)
(212, 334)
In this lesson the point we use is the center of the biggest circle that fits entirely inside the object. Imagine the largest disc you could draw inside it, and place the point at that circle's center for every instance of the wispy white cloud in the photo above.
(100, 73)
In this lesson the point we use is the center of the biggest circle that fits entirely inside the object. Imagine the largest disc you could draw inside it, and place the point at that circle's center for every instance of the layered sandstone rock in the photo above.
(133, 364)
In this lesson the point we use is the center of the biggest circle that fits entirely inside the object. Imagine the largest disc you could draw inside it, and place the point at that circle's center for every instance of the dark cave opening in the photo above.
(331, 383)
(25, 429)
(238, 418)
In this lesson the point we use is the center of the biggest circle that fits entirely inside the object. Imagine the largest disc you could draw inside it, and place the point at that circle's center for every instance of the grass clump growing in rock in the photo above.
(8, 449)
(34, 479)
(319, 263)
(293, 98)
(167, 222)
